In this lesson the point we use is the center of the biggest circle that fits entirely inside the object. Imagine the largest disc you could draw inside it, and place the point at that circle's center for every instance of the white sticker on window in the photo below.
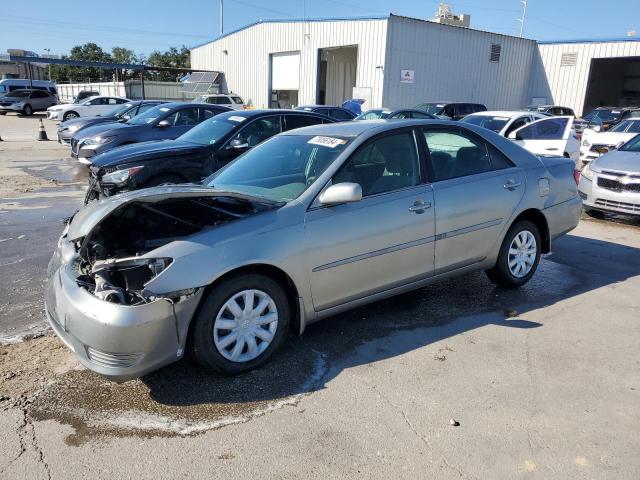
(501, 118)
(327, 141)
(235, 118)
(164, 109)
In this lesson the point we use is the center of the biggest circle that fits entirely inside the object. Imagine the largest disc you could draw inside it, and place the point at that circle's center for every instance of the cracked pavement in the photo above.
(544, 382)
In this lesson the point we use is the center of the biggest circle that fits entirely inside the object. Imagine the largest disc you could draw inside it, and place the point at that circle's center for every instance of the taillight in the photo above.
(576, 176)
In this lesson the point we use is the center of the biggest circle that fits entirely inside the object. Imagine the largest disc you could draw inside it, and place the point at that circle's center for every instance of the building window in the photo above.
(569, 59)
(496, 48)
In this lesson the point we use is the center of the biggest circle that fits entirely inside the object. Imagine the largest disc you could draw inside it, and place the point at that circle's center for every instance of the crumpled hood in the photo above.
(106, 130)
(91, 215)
(606, 138)
(144, 151)
(618, 160)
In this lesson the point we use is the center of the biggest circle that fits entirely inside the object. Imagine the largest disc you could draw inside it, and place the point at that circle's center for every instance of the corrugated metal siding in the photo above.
(565, 85)
(246, 63)
(453, 63)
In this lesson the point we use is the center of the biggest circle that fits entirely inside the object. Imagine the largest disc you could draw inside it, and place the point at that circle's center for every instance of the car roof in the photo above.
(354, 129)
(450, 103)
(502, 113)
(319, 106)
(266, 112)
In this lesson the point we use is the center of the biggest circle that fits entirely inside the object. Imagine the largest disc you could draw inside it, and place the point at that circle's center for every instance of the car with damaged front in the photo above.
(307, 224)
(192, 156)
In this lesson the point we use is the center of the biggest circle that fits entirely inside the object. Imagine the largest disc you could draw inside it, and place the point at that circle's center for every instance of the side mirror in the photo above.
(341, 193)
(163, 124)
(238, 144)
(125, 118)
(619, 144)
(512, 136)
(597, 128)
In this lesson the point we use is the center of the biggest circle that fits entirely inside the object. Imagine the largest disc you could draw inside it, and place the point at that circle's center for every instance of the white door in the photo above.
(548, 136)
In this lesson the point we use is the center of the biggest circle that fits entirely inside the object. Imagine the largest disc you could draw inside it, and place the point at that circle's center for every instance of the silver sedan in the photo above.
(311, 223)
(611, 183)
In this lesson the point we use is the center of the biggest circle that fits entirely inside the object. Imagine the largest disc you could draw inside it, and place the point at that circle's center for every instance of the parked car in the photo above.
(234, 102)
(84, 94)
(551, 136)
(121, 113)
(308, 224)
(337, 113)
(89, 107)
(162, 122)
(26, 102)
(9, 85)
(194, 155)
(611, 182)
(385, 113)
(596, 143)
(554, 110)
(604, 118)
(544, 138)
(451, 110)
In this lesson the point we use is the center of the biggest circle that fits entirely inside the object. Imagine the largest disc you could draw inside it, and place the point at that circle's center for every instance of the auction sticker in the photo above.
(235, 118)
(327, 141)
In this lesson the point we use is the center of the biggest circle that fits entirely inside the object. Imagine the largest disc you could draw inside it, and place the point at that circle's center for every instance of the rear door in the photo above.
(251, 134)
(548, 136)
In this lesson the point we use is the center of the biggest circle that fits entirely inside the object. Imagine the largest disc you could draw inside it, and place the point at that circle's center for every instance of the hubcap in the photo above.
(245, 325)
(522, 254)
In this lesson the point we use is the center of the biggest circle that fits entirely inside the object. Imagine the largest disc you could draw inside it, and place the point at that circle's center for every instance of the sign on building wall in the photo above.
(406, 76)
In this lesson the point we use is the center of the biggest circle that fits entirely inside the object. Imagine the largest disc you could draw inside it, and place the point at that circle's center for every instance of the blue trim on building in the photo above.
(590, 40)
(293, 20)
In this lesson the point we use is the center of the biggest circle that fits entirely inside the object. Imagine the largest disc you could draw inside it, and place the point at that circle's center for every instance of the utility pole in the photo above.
(48, 50)
(221, 17)
(524, 16)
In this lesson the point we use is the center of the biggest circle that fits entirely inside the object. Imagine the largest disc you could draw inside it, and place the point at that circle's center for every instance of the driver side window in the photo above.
(518, 123)
(383, 165)
(259, 130)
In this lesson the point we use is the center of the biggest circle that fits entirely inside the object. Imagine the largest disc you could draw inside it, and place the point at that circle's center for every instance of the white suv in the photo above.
(232, 101)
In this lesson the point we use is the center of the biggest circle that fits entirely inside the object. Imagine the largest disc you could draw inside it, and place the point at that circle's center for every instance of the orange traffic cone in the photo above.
(42, 133)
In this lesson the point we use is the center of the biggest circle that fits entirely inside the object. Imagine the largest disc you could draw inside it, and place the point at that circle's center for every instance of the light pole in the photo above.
(48, 50)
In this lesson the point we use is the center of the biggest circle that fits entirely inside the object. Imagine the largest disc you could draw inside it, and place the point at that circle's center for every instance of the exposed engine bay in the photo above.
(111, 267)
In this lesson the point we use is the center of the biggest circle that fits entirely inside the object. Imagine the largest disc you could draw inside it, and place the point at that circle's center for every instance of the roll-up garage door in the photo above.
(285, 71)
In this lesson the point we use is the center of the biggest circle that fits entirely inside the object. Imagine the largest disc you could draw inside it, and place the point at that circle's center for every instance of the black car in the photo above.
(162, 122)
(121, 113)
(607, 117)
(339, 114)
(384, 113)
(451, 110)
(553, 110)
(193, 156)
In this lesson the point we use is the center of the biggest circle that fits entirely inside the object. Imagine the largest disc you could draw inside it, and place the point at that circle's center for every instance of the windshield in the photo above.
(149, 116)
(281, 168)
(603, 115)
(632, 145)
(492, 123)
(117, 111)
(432, 108)
(209, 132)
(627, 126)
(373, 115)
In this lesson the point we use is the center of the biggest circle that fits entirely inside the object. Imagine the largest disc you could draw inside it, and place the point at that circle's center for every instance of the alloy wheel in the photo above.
(522, 253)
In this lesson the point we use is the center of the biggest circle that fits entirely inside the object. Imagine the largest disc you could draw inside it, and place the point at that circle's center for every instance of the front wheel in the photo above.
(27, 110)
(240, 324)
(519, 256)
(69, 116)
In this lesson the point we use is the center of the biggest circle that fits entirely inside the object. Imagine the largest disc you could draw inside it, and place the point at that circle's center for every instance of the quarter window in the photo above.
(383, 165)
(340, 115)
(259, 130)
(454, 154)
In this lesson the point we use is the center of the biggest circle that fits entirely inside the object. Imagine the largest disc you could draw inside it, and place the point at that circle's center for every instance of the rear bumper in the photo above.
(598, 198)
(117, 341)
(563, 217)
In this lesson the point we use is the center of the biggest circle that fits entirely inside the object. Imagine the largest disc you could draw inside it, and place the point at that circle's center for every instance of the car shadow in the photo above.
(423, 317)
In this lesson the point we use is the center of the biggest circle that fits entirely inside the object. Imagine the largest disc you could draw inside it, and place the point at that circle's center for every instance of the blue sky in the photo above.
(145, 25)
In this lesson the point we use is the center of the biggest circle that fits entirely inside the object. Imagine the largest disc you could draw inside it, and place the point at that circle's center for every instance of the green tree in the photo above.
(124, 55)
(173, 57)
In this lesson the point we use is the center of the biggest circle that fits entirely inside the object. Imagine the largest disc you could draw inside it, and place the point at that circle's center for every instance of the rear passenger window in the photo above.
(340, 115)
(420, 115)
(299, 121)
(146, 106)
(454, 154)
(383, 165)
(206, 114)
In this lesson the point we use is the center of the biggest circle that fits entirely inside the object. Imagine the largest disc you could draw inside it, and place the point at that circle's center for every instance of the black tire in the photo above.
(3, 113)
(501, 274)
(202, 345)
(167, 179)
(27, 110)
(69, 116)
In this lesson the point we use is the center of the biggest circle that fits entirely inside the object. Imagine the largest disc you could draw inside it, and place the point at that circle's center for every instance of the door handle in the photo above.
(511, 185)
(551, 149)
(419, 206)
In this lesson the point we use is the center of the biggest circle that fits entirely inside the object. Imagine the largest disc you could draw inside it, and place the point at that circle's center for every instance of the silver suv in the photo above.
(27, 101)
(232, 101)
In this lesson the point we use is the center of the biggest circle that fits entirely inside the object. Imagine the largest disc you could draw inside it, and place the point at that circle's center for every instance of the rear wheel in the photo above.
(240, 324)
(519, 256)
(69, 116)
(27, 110)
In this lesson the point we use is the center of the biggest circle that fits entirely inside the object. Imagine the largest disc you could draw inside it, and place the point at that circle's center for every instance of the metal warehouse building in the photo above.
(390, 61)
(396, 61)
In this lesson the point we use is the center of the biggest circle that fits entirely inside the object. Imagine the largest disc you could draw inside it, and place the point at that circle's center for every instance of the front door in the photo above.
(476, 190)
(548, 136)
(381, 241)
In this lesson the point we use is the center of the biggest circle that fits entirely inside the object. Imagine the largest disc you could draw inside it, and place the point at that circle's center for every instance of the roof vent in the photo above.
(569, 59)
(496, 48)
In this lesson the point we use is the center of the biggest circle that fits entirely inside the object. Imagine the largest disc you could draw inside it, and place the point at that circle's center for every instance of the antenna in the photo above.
(524, 16)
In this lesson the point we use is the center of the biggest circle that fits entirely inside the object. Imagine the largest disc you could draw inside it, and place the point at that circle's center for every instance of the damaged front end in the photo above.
(98, 299)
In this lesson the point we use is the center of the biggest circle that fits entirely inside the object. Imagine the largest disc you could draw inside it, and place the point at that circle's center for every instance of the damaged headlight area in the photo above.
(115, 261)
(120, 177)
